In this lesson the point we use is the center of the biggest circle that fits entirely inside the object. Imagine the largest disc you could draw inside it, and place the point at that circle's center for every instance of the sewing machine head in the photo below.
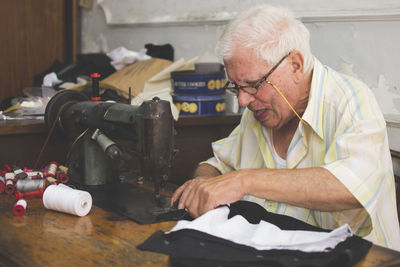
(92, 128)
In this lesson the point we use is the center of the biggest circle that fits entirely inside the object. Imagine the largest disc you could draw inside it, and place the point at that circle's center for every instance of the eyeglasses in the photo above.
(252, 90)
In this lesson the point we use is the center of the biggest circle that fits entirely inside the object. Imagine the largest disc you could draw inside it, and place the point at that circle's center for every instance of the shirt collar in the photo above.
(313, 114)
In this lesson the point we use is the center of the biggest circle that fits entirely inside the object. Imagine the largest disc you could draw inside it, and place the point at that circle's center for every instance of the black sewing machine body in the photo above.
(94, 158)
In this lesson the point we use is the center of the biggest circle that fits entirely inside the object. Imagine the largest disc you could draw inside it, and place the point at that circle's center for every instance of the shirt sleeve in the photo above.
(359, 157)
(359, 154)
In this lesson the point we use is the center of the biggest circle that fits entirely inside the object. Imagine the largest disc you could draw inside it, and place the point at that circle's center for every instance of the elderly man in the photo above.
(312, 142)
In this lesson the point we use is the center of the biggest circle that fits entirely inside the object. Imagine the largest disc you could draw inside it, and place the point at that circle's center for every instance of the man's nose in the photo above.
(245, 98)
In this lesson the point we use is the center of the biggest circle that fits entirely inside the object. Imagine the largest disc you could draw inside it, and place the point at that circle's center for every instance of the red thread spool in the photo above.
(2, 185)
(20, 207)
(10, 176)
(95, 87)
(35, 175)
(63, 168)
(7, 168)
(38, 193)
(18, 195)
(63, 178)
(10, 187)
(52, 169)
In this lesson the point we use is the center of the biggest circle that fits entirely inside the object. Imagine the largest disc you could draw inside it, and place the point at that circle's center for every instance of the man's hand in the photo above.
(202, 194)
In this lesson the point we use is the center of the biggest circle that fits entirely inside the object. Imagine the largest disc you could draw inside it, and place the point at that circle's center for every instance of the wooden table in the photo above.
(48, 238)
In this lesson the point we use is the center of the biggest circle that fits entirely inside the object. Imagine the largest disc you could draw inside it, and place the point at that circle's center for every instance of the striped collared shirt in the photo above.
(346, 134)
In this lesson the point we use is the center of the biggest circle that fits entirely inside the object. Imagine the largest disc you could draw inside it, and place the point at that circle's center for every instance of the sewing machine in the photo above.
(94, 159)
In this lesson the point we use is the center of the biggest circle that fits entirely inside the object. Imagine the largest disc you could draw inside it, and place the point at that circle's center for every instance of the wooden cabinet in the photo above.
(193, 141)
(34, 33)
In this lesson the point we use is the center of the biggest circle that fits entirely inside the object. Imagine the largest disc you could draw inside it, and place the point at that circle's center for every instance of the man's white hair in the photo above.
(271, 31)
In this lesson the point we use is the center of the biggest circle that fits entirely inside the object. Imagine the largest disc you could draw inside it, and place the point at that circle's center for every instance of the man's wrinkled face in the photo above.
(269, 108)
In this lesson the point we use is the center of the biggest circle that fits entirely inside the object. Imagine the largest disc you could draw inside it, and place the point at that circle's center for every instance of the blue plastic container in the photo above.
(200, 105)
(205, 79)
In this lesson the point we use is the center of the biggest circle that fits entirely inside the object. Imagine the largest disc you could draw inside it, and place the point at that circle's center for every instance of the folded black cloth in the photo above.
(85, 65)
(165, 51)
(189, 247)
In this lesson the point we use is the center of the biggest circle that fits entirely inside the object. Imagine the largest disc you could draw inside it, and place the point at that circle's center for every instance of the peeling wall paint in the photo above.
(366, 49)
(388, 95)
(189, 11)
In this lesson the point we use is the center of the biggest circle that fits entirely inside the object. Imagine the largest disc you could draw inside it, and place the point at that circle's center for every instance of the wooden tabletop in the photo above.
(48, 238)
(13, 127)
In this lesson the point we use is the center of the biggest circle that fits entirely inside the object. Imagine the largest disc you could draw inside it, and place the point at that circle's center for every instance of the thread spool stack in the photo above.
(25, 183)
(56, 173)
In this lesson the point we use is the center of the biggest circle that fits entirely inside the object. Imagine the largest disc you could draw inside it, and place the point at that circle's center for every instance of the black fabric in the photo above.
(194, 248)
(85, 65)
(165, 51)
(174, 215)
(254, 213)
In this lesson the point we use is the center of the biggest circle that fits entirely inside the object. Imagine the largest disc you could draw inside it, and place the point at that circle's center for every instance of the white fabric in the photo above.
(121, 57)
(50, 80)
(262, 236)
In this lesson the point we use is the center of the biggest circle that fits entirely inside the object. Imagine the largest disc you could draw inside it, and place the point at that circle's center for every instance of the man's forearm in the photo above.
(313, 188)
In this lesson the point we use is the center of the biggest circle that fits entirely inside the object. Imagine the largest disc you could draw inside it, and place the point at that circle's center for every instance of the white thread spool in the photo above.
(9, 176)
(51, 180)
(20, 207)
(35, 174)
(20, 174)
(29, 185)
(63, 168)
(52, 169)
(65, 199)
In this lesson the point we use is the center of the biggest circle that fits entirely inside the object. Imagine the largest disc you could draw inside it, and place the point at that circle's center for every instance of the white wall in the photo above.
(365, 44)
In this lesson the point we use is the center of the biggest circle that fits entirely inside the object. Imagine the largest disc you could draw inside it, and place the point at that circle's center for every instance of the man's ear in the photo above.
(297, 64)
